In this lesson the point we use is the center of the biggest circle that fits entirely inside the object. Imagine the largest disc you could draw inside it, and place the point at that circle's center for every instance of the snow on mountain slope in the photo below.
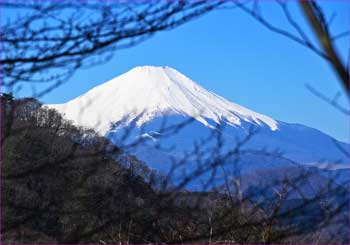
(155, 91)
(147, 95)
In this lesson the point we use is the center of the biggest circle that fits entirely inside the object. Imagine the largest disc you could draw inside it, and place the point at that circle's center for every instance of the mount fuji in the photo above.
(149, 103)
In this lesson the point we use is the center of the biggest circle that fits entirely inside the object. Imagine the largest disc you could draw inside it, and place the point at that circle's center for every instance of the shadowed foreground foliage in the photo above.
(64, 184)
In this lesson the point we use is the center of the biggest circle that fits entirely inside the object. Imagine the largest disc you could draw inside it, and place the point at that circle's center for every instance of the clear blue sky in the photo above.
(233, 55)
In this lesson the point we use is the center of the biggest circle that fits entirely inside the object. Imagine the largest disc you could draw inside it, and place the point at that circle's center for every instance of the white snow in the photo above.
(151, 91)
(147, 136)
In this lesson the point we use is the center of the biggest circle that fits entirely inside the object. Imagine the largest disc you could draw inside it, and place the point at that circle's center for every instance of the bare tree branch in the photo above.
(318, 24)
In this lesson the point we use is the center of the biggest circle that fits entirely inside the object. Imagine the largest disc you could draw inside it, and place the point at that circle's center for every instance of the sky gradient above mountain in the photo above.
(246, 64)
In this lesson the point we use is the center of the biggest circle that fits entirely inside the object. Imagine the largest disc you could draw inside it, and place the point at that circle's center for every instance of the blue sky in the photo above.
(234, 56)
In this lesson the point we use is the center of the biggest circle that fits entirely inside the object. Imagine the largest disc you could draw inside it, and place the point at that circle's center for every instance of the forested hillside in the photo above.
(63, 184)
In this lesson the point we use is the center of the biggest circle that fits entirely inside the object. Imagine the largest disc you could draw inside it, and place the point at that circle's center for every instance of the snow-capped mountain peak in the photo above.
(147, 95)
(152, 91)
